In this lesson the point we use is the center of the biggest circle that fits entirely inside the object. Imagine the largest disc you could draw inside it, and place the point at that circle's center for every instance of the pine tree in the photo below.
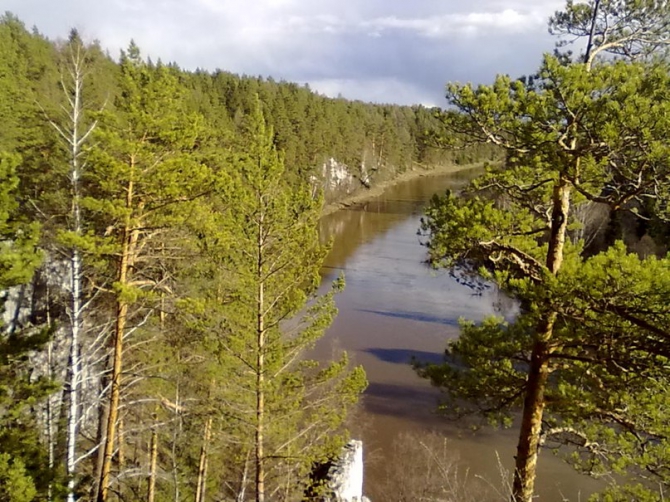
(145, 173)
(257, 312)
(22, 456)
(570, 137)
(632, 29)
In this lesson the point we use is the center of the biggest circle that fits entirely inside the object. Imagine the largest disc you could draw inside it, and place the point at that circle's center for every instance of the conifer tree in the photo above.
(568, 138)
(632, 29)
(22, 456)
(145, 173)
(577, 133)
(258, 313)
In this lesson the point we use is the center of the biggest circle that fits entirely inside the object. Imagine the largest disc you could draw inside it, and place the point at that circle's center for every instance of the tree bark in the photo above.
(75, 367)
(539, 370)
(533, 411)
(130, 237)
(101, 436)
(151, 489)
(202, 467)
(121, 448)
(50, 413)
(260, 365)
(103, 488)
(175, 435)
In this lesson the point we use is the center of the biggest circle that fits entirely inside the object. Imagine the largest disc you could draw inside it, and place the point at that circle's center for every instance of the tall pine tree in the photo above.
(258, 312)
(145, 173)
(576, 134)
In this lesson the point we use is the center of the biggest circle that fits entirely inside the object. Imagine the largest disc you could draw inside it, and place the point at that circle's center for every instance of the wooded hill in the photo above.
(374, 141)
(160, 265)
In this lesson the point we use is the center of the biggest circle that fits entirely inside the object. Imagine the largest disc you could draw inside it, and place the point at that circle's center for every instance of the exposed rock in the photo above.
(344, 476)
(337, 180)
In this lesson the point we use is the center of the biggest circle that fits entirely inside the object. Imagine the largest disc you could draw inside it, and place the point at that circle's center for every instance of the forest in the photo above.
(160, 264)
(160, 268)
(160, 272)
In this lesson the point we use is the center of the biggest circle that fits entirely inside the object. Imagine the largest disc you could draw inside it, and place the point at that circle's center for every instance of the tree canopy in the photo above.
(583, 348)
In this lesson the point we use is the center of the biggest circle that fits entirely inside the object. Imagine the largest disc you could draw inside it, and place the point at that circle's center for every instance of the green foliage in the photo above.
(628, 28)
(638, 493)
(15, 483)
(171, 174)
(573, 136)
(19, 257)
(145, 172)
(257, 313)
(19, 391)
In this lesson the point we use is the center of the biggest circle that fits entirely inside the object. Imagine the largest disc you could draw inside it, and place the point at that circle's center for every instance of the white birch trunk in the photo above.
(73, 133)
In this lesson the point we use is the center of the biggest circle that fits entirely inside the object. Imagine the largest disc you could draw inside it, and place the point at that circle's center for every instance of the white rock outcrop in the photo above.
(346, 474)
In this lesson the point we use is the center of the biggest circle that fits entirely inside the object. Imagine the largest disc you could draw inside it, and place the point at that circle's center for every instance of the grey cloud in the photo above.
(381, 50)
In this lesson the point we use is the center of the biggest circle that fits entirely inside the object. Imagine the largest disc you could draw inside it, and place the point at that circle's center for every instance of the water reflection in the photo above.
(414, 316)
(404, 356)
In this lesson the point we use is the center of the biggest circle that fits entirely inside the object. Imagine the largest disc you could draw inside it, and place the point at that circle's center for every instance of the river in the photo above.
(394, 307)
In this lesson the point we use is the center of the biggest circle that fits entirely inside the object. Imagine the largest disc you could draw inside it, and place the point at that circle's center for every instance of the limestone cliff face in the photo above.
(339, 180)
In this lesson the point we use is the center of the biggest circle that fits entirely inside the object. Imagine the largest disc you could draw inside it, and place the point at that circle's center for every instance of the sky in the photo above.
(387, 51)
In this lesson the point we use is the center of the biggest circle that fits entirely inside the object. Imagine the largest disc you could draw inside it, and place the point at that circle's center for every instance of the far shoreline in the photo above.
(361, 196)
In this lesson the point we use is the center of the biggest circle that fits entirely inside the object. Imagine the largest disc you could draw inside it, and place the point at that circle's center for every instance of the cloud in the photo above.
(473, 23)
(383, 50)
(376, 90)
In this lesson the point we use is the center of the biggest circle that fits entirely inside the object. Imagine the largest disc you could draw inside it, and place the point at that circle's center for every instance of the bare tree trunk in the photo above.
(241, 494)
(121, 448)
(533, 410)
(589, 55)
(101, 436)
(151, 490)
(75, 368)
(75, 288)
(75, 136)
(115, 394)
(260, 367)
(50, 412)
(538, 374)
(204, 480)
(202, 467)
(175, 435)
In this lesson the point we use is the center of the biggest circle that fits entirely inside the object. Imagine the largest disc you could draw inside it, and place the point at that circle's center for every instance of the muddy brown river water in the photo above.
(394, 307)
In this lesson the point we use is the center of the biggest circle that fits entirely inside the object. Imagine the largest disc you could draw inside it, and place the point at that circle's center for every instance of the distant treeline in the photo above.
(309, 128)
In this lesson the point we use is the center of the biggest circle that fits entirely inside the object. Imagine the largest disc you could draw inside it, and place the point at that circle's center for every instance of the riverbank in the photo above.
(362, 196)
(395, 307)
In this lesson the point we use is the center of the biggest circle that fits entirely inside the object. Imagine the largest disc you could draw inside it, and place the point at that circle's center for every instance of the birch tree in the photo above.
(74, 129)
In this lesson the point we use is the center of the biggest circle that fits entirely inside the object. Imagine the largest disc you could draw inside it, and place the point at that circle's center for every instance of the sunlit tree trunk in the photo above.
(151, 490)
(539, 369)
(129, 244)
(202, 465)
(260, 364)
